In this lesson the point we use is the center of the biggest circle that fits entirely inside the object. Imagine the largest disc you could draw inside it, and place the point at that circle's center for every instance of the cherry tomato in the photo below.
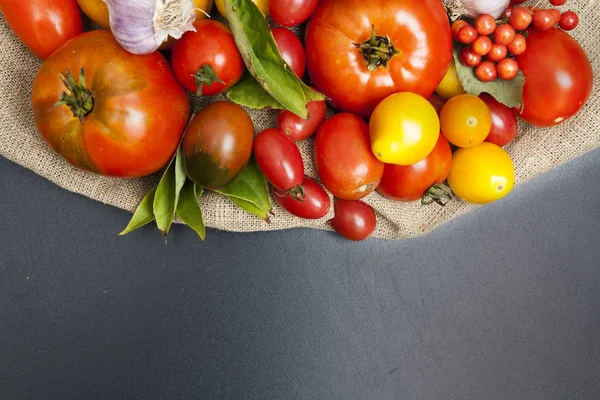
(291, 12)
(555, 15)
(485, 24)
(559, 77)
(43, 25)
(504, 34)
(558, 2)
(125, 120)
(469, 57)
(467, 34)
(409, 182)
(504, 122)
(507, 69)
(481, 174)
(263, 5)
(482, 45)
(207, 61)
(403, 129)
(465, 120)
(518, 45)
(486, 71)
(456, 26)
(410, 51)
(568, 20)
(520, 18)
(343, 157)
(279, 159)
(315, 205)
(297, 128)
(217, 144)
(353, 219)
(498, 52)
(291, 49)
(543, 20)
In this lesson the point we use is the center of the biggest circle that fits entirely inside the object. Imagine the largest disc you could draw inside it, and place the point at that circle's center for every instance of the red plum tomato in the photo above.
(353, 219)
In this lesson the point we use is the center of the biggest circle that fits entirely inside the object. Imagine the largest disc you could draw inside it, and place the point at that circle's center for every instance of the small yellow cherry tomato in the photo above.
(263, 5)
(450, 86)
(465, 120)
(481, 174)
(404, 129)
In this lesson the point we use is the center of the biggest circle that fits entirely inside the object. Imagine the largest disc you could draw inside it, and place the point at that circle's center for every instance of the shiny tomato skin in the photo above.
(43, 25)
(409, 183)
(559, 77)
(504, 122)
(279, 159)
(315, 205)
(217, 144)
(211, 44)
(291, 12)
(139, 111)
(343, 157)
(353, 219)
(291, 49)
(297, 128)
(419, 30)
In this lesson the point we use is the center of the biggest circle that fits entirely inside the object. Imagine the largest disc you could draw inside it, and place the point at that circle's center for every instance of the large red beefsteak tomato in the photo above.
(359, 52)
(123, 117)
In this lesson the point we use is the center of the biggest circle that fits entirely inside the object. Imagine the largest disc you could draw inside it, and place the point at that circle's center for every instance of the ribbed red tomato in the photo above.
(359, 52)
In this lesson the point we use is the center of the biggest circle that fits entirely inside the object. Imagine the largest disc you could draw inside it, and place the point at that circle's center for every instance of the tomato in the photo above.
(217, 144)
(97, 11)
(353, 219)
(450, 85)
(291, 49)
(559, 77)
(465, 120)
(343, 157)
(297, 128)
(279, 159)
(129, 116)
(414, 59)
(43, 25)
(207, 61)
(263, 5)
(291, 12)
(504, 122)
(481, 174)
(315, 205)
(403, 129)
(410, 182)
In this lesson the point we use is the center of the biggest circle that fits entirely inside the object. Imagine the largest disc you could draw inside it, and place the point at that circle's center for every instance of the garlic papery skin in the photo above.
(141, 26)
(474, 8)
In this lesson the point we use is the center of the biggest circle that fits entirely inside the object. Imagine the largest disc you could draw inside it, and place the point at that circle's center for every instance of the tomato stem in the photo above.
(79, 99)
(377, 51)
(440, 193)
(205, 75)
(297, 192)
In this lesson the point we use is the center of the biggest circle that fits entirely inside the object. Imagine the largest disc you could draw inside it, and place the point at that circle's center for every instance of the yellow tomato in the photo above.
(96, 10)
(404, 128)
(263, 5)
(450, 86)
(465, 120)
(481, 174)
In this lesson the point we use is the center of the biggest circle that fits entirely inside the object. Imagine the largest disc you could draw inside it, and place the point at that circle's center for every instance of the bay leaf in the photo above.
(509, 93)
(188, 208)
(144, 214)
(167, 192)
(248, 92)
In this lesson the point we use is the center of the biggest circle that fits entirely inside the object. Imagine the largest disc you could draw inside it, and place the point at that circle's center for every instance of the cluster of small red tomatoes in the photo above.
(377, 62)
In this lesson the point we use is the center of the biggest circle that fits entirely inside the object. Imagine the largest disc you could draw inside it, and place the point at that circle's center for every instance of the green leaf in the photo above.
(250, 191)
(248, 92)
(263, 59)
(143, 215)
(188, 208)
(509, 93)
(167, 192)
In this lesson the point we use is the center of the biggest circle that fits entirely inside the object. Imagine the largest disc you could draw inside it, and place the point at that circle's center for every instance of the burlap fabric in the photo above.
(534, 151)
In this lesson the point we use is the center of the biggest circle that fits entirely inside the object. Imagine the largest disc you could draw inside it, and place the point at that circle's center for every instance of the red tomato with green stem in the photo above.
(344, 159)
(504, 122)
(410, 182)
(279, 160)
(297, 128)
(43, 25)
(291, 12)
(123, 116)
(360, 52)
(353, 219)
(558, 77)
(207, 61)
(291, 49)
(314, 205)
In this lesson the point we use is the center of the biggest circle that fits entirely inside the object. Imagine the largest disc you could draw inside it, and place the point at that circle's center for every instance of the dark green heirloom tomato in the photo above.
(217, 144)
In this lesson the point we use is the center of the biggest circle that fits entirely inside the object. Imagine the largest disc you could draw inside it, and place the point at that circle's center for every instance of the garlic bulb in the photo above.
(474, 8)
(141, 26)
